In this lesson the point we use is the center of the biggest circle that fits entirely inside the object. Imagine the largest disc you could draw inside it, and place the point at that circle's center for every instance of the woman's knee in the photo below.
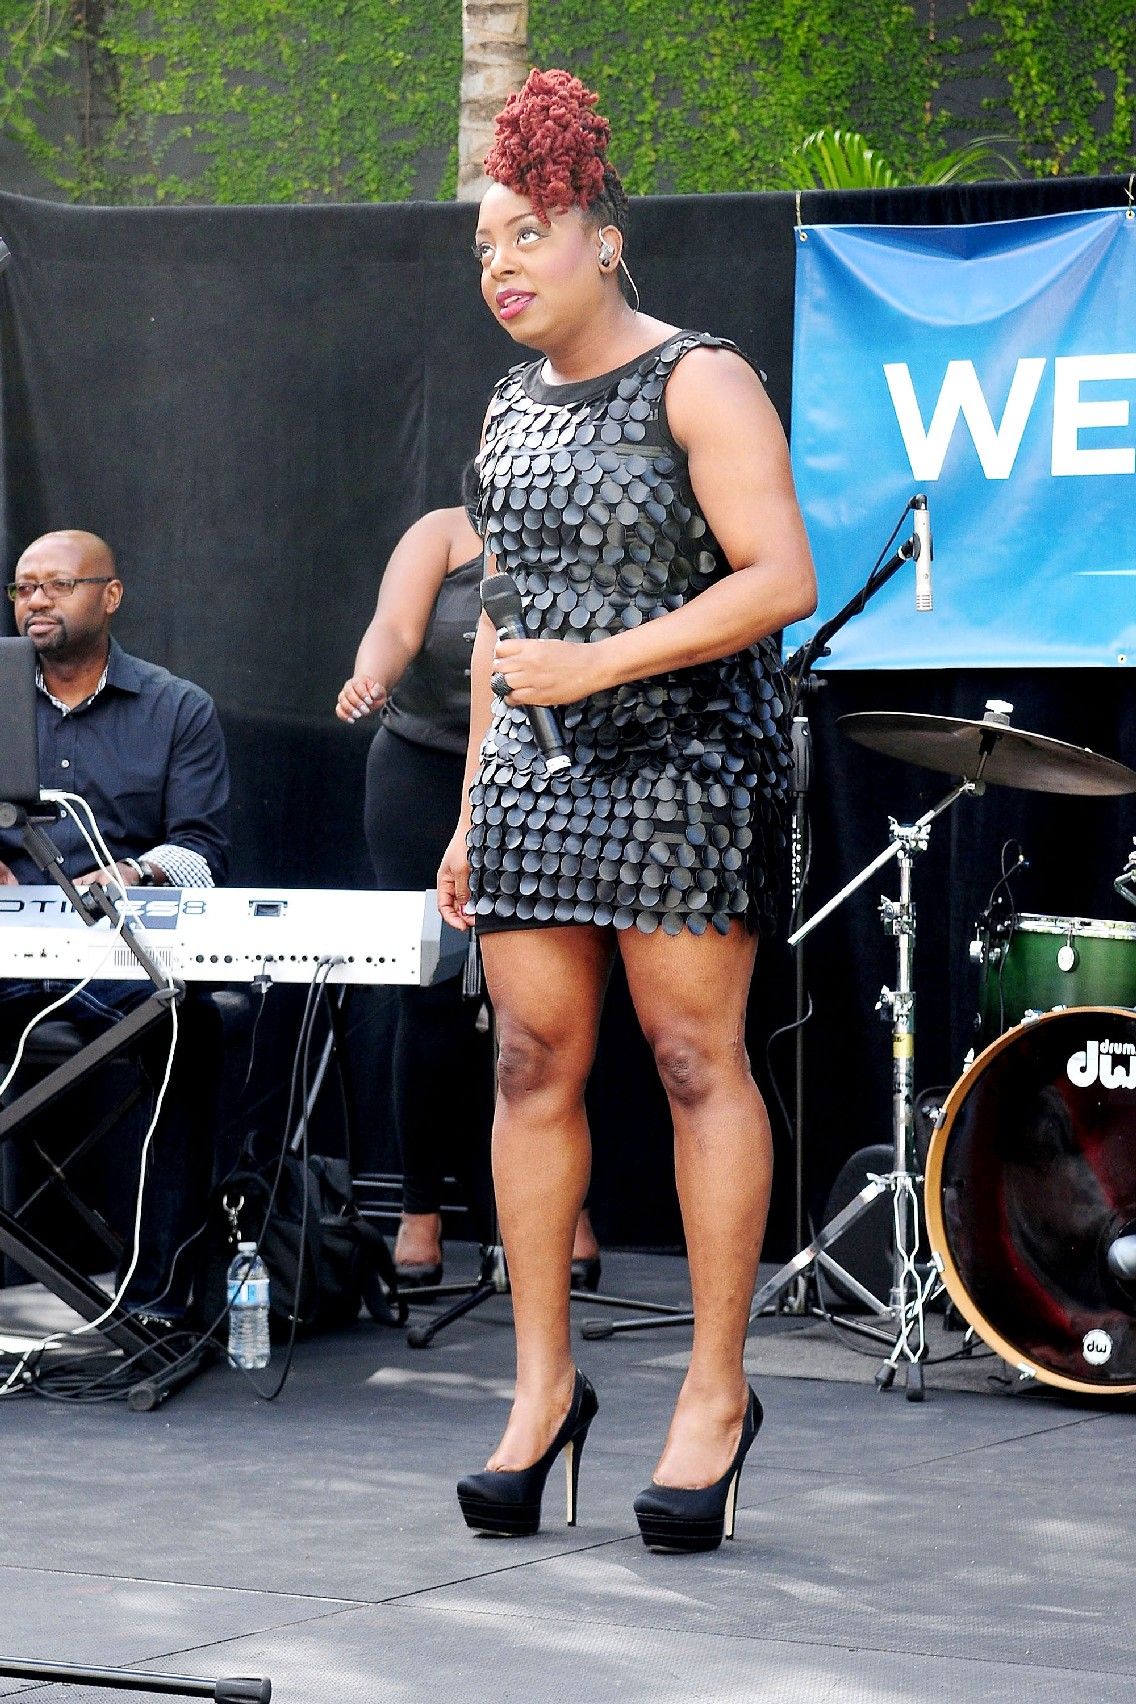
(532, 1062)
(692, 1066)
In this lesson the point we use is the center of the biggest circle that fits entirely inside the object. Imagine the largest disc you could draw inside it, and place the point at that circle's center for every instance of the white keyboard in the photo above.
(235, 935)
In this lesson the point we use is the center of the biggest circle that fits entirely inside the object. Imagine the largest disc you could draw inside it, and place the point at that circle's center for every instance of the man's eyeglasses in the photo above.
(55, 588)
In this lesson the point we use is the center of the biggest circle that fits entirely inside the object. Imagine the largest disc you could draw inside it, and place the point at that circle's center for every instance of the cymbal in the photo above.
(1015, 757)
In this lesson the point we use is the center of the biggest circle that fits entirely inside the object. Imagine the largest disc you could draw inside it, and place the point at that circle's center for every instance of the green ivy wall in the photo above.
(297, 100)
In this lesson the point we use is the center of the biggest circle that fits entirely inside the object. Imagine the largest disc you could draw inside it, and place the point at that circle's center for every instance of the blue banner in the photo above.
(992, 367)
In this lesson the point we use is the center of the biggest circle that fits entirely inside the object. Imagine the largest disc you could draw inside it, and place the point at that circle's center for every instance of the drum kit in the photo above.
(1027, 1192)
(1029, 1186)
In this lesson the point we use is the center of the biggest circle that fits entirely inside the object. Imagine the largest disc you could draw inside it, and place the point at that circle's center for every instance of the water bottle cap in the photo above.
(246, 1248)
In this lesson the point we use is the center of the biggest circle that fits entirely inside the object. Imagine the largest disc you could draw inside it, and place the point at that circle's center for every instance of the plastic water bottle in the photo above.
(248, 1308)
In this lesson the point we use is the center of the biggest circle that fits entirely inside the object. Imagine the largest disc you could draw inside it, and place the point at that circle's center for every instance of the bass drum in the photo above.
(1031, 1176)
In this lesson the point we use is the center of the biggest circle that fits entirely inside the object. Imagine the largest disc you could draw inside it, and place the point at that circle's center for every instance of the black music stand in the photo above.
(164, 1369)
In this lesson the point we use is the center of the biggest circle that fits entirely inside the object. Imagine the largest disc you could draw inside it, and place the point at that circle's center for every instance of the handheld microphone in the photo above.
(501, 602)
(924, 552)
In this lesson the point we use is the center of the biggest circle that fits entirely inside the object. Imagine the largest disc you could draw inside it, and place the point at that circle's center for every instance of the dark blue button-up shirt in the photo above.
(148, 755)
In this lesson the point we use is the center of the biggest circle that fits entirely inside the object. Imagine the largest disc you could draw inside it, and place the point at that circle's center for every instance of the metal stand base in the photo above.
(904, 1313)
(164, 1369)
(493, 1280)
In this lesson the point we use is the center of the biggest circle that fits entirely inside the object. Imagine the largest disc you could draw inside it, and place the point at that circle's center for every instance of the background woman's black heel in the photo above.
(507, 1501)
(671, 1518)
(586, 1273)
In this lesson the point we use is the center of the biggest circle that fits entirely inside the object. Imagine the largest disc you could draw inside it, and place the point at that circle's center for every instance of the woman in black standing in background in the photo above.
(412, 669)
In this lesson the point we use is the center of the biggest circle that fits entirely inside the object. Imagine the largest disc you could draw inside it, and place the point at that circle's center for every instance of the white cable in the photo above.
(67, 800)
(100, 852)
(103, 858)
(57, 1337)
(55, 1005)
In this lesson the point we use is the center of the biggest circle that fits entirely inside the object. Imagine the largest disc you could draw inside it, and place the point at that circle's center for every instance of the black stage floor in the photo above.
(979, 1546)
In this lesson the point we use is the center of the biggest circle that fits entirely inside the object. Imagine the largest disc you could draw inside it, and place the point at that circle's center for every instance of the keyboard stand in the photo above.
(162, 1368)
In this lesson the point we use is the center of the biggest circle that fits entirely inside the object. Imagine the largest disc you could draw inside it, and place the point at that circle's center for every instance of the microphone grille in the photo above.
(500, 599)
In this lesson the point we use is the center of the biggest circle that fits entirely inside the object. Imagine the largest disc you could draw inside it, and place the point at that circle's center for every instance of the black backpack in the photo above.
(344, 1260)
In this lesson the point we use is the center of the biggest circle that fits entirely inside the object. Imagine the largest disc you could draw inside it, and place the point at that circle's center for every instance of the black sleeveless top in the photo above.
(430, 704)
(671, 812)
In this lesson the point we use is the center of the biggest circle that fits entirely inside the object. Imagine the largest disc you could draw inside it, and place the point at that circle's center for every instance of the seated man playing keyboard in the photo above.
(146, 751)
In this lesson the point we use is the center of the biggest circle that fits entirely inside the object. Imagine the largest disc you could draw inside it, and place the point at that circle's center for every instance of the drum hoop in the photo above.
(936, 1226)
(1091, 928)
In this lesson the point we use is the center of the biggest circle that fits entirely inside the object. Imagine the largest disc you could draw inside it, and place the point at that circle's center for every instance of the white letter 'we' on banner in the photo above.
(994, 367)
(961, 393)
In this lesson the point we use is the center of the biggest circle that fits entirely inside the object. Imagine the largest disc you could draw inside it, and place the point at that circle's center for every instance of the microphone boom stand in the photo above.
(909, 1293)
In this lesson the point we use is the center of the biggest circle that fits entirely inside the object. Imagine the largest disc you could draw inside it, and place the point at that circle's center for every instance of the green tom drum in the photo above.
(1032, 963)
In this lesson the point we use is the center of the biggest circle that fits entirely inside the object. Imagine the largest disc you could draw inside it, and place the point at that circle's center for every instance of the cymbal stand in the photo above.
(1125, 883)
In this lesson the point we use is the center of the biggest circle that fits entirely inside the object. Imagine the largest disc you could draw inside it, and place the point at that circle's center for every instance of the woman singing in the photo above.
(635, 484)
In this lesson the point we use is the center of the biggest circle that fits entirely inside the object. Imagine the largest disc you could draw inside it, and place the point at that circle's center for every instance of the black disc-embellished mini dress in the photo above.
(671, 815)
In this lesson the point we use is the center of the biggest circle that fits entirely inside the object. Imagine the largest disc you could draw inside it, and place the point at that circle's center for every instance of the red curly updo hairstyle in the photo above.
(550, 147)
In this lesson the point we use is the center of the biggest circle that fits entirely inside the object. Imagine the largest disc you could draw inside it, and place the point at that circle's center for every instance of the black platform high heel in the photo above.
(671, 1518)
(507, 1501)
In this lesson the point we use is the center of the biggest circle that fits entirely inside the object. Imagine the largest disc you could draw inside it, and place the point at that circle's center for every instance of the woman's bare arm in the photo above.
(418, 565)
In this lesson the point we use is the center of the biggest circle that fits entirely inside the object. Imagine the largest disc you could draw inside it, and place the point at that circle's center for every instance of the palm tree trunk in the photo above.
(495, 62)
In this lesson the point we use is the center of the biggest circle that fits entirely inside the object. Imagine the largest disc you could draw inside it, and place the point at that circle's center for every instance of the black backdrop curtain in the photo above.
(252, 404)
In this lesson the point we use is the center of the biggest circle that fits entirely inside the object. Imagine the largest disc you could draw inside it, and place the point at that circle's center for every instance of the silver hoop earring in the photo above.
(631, 281)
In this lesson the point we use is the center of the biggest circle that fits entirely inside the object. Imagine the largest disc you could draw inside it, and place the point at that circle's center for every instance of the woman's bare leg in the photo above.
(547, 987)
(690, 995)
(419, 1240)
